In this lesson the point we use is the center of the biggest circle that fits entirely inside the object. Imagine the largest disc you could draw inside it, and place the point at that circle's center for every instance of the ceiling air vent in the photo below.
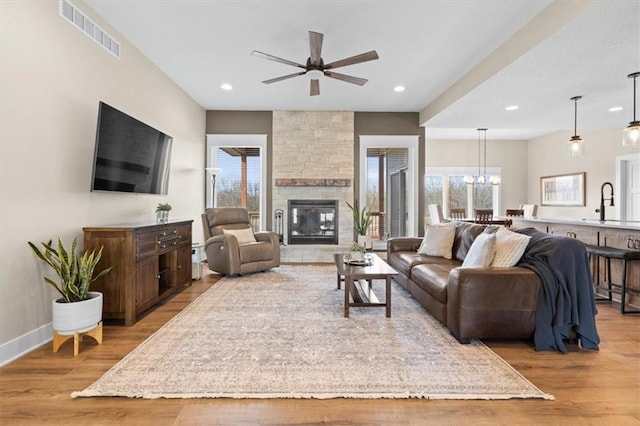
(89, 28)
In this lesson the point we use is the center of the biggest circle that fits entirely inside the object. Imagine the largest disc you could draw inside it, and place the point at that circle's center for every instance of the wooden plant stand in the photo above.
(59, 339)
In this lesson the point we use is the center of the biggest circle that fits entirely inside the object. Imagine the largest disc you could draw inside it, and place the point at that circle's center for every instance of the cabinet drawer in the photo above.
(586, 235)
(146, 244)
(184, 234)
(621, 239)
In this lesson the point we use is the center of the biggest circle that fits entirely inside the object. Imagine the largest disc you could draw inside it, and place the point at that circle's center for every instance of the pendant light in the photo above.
(575, 146)
(631, 135)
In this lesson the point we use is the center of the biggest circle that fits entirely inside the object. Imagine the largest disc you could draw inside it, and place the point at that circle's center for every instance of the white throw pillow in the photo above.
(244, 236)
(481, 252)
(510, 247)
(438, 241)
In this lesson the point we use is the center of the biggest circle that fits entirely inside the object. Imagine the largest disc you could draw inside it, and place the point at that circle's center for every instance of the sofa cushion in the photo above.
(433, 278)
(510, 247)
(482, 251)
(438, 241)
(466, 233)
(404, 261)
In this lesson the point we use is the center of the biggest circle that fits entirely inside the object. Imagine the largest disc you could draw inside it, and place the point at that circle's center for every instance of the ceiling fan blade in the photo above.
(315, 88)
(348, 78)
(276, 59)
(315, 46)
(284, 77)
(363, 57)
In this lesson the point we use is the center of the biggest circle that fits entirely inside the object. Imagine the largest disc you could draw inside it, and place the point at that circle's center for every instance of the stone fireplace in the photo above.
(313, 160)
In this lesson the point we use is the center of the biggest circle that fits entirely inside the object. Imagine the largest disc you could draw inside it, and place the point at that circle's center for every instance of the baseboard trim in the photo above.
(24, 344)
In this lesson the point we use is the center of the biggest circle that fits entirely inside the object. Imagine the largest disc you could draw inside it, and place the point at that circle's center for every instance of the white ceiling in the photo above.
(426, 46)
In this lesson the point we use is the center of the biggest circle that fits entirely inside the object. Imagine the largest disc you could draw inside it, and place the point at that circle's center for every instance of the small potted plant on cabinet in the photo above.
(162, 212)
(78, 309)
(361, 222)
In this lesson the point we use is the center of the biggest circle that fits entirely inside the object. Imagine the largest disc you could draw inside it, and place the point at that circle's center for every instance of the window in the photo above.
(446, 186)
(388, 184)
(240, 161)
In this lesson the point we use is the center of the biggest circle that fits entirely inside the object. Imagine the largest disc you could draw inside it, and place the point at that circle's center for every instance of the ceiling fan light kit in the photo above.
(631, 135)
(315, 66)
(575, 146)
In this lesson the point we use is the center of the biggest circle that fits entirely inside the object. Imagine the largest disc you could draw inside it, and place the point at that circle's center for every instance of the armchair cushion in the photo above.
(243, 236)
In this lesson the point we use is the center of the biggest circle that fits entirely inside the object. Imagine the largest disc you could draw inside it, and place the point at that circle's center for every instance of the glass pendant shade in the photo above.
(481, 180)
(494, 180)
(575, 146)
(468, 180)
(631, 135)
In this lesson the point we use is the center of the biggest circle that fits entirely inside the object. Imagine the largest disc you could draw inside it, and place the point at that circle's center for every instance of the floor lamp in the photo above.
(213, 171)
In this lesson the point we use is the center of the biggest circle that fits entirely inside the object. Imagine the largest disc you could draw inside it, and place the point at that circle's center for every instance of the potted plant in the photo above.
(356, 251)
(79, 309)
(361, 222)
(162, 212)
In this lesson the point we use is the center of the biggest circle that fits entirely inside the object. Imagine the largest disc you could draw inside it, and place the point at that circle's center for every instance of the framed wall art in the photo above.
(563, 190)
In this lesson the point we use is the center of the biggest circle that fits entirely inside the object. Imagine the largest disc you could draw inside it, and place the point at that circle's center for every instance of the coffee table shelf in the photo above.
(358, 290)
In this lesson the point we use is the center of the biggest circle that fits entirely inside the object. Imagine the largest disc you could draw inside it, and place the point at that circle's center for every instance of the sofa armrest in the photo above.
(492, 302)
(403, 244)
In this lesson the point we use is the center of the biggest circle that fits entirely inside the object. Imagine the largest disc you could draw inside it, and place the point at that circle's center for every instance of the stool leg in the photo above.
(608, 267)
(624, 290)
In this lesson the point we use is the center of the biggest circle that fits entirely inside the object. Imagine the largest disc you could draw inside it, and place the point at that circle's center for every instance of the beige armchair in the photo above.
(232, 247)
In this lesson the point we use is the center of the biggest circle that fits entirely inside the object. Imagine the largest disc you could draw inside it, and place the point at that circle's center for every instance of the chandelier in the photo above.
(481, 178)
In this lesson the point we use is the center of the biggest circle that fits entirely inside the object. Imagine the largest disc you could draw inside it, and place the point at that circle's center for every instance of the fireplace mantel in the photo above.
(313, 182)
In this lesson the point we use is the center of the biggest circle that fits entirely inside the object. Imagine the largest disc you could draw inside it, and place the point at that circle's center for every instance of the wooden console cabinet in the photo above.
(150, 263)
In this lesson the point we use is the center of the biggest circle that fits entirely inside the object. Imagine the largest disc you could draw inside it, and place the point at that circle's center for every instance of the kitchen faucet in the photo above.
(602, 200)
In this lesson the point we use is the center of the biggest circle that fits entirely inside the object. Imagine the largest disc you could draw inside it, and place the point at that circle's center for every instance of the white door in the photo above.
(628, 182)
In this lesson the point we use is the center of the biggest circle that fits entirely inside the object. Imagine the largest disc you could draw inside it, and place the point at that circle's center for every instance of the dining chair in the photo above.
(435, 213)
(483, 216)
(458, 214)
(514, 212)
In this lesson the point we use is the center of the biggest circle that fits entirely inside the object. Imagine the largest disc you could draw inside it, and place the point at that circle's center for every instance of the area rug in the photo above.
(282, 334)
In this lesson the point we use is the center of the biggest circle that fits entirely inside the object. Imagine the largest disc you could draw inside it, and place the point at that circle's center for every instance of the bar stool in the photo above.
(609, 253)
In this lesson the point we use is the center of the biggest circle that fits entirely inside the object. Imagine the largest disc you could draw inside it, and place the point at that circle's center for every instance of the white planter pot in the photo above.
(356, 255)
(69, 318)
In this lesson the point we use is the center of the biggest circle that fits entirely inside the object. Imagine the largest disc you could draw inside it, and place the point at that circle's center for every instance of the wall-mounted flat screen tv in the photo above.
(130, 156)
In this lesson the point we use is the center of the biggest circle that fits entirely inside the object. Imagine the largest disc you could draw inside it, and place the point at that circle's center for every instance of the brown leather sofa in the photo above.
(472, 302)
(228, 255)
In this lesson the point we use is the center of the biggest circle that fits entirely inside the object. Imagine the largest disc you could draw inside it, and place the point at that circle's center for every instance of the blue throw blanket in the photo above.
(566, 300)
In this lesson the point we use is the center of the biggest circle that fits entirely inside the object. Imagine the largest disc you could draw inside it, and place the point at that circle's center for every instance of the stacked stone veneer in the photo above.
(313, 160)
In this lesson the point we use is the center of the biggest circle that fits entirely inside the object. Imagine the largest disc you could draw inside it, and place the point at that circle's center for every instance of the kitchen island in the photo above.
(610, 233)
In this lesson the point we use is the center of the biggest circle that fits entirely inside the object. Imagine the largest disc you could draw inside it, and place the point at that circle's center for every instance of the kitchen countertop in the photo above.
(609, 223)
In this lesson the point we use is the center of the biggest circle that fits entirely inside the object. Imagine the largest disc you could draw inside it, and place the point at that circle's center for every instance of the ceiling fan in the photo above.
(316, 67)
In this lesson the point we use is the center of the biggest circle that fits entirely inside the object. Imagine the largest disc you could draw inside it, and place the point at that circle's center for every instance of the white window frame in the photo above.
(467, 171)
(395, 141)
(239, 141)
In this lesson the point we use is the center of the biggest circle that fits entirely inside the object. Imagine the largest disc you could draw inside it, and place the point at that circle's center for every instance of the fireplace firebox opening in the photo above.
(313, 222)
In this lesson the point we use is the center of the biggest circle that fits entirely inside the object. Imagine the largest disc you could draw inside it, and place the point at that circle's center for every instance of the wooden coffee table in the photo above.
(357, 282)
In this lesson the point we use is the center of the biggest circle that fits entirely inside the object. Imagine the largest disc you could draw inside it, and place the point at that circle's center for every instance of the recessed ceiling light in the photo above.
(512, 107)
(615, 108)
(398, 89)
(226, 86)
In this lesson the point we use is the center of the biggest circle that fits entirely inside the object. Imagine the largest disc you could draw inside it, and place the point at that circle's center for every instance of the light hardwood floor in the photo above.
(599, 388)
